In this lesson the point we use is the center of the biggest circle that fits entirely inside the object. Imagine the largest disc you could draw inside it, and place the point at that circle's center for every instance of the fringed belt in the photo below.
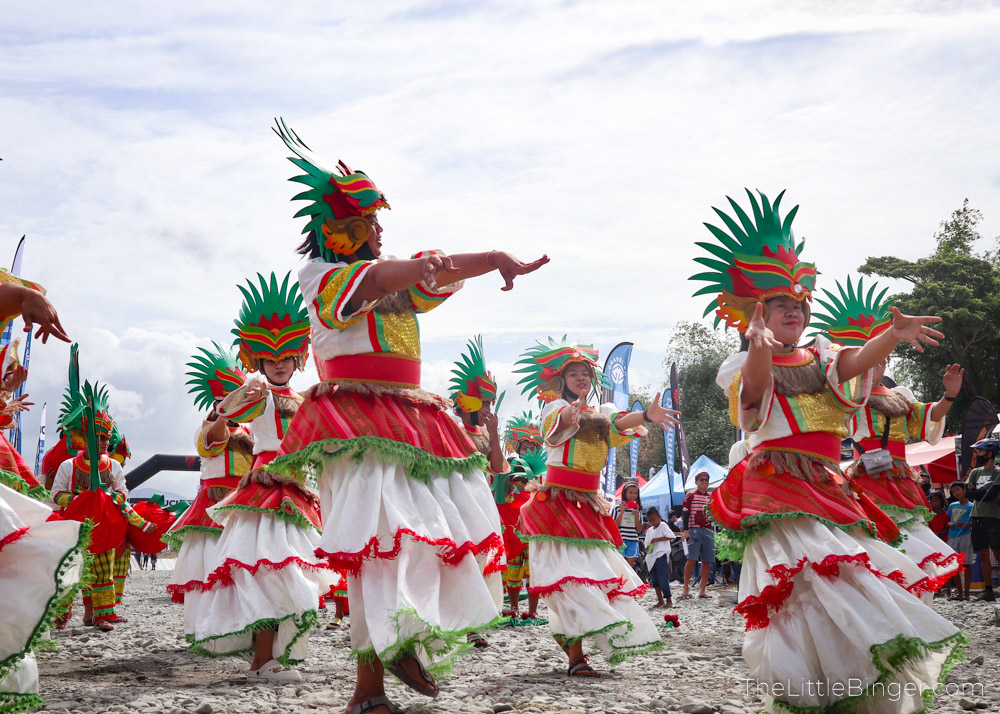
(373, 368)
(896, 448)
(572, 480)
(818, 444)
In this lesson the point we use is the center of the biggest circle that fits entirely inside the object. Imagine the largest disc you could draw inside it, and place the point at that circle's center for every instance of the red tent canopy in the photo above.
(642, 482)
(939, 460)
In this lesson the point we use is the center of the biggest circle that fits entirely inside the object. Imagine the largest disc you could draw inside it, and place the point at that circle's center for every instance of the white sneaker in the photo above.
(272, 671)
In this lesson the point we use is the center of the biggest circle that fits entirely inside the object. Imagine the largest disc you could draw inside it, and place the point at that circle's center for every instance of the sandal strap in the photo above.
(374, 703)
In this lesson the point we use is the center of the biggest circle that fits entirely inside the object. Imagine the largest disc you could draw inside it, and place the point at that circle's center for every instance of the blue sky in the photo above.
(139, 161)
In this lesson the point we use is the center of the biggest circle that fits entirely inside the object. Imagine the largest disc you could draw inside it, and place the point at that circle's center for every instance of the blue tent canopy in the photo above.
(716, 473)
(664, 491)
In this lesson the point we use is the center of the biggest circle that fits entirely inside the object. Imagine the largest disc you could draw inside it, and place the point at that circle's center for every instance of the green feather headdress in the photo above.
(756, 261)
(273, 324)
(471, 383)
(213, 375)
(543, 363)
(339, 199)
(523, 427)
(853, 317)
(532, 463)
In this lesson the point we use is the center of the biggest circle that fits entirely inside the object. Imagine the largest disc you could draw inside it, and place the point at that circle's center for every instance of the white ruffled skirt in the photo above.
(418, 554)
(829, 617)
(264, 575)
(41, 564)
(591, 593)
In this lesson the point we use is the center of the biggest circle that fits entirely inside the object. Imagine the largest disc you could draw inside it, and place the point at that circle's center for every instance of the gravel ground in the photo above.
(143, 666)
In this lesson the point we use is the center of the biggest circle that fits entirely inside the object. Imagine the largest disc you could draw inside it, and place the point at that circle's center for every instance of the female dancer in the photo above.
(406, 505)
(265, 580)
(820, 594)
(890, 419)
(589, 588)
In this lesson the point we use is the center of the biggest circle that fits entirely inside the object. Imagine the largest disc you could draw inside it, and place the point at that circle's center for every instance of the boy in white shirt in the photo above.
(658, 537)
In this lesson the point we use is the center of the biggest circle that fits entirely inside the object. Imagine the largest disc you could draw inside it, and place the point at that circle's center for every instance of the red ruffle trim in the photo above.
(447, 550)
(615, 592)
(943, 561)
(176, 592)
(13, 536)
(758, 609)
(222, 576)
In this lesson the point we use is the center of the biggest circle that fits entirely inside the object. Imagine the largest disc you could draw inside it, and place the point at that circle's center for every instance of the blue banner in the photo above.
(633, 447)
(616, 370)
(41, 444)
(670, 433)
(15, 269)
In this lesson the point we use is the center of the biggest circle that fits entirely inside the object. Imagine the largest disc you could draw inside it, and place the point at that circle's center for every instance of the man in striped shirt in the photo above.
(699, 534)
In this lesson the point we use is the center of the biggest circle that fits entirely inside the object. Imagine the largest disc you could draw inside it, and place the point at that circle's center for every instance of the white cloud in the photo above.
(139, 161)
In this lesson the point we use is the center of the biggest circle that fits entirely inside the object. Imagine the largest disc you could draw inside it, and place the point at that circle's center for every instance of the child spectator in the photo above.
(960, 533)
(939, 523)
(628, 518)
(658, 537)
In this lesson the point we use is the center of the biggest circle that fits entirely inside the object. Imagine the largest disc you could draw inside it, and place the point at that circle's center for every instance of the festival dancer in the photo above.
(821, 595)
(523, 433)
(37, 557)
(510, 491)
(474, 394)
(890, 419)
(226, 451)
(91, 486)
(119, 451)
(14, 470)
(265, 579)
(576, 566)
(406, 505)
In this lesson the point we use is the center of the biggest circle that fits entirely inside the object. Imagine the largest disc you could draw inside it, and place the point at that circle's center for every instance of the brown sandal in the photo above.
(581, 668)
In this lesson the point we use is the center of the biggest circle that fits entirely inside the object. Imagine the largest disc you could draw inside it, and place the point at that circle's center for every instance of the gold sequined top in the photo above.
(584, 448)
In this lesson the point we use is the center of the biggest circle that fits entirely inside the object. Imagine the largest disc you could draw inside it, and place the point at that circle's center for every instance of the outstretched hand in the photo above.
(434, 266)
(661, 415)
(576, 408)
(510, 267)
(36, 309)
(952, 379)
(15, 377)
(758, 333)
(20, 404)
(914, 329)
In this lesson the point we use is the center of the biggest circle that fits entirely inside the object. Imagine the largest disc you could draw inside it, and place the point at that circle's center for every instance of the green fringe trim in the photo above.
(175, 539)
(518, 622)
(303, 623)
(16, 483)
(618, 654)
(294, 516)
(58, 603)
(889, 658)
(15, 702)
(418, 463)
(578, 542)
(753, 526)
(441, 647)
(905, 517)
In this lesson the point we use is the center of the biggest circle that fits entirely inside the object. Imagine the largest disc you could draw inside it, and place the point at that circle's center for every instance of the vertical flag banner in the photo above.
(633, 447)
(40, 450)
(616, 369)
(670, 433)
(15, 268)
(980, 421)
(685, 457)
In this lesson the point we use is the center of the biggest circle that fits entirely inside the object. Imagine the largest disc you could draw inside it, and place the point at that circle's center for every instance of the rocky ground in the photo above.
(143, 666)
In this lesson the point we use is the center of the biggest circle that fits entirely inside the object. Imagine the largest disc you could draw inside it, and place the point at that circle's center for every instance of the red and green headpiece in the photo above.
(213, 375)
(339, 199)
(76, 412)
(854, 317)
(759, 261)
(542, 367)
(272, 324)
(524, 427)
(471, 383)
(118, 446)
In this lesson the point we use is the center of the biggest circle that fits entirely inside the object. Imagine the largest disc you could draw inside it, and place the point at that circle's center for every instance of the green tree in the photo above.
(963, 288)
(699, 351)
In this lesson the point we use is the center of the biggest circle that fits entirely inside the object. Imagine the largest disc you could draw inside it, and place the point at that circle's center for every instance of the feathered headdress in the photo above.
(759, 261)
(524, 427)
(272, 324)
(854, 317)
(213, 375)
(118, 446)
(542, 367)
(532, 463)
(471, 383)
(339, 199)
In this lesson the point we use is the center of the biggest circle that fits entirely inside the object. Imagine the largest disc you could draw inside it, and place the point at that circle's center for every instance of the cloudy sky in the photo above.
(138, 159)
